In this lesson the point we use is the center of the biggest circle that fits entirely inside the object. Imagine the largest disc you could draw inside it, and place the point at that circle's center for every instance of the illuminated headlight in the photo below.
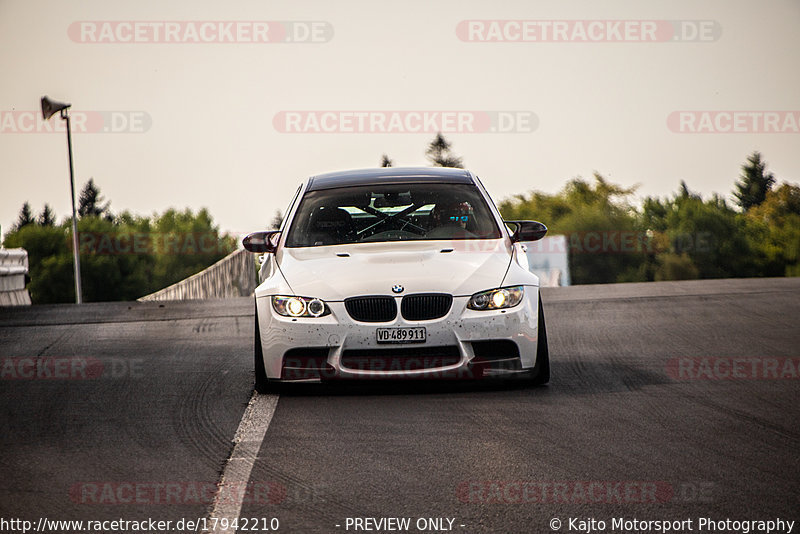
(496, 299)
(290, 306)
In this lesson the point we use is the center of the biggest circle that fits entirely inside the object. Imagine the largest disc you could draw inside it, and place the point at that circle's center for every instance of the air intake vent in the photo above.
(306, 363)
(371, 309)
(427, 306)
(405, 359)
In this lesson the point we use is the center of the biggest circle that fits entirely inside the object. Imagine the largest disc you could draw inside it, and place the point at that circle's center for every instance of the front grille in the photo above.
(371, 309)
(404, 359)
(425, 306)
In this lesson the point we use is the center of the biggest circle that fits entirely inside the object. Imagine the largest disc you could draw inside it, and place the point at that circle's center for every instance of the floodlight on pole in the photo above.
(49, 108)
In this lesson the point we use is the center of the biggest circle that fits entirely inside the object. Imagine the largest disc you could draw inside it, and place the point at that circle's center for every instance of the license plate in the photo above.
(401, 335)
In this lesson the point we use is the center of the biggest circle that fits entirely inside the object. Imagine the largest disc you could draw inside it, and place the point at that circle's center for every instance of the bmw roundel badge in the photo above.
(397, 288)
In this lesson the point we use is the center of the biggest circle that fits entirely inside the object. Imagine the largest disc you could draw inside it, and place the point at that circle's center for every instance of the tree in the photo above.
(754, 182)
(775, 230)
(386, 162)
(25, 217)
(440, 153)
(276, 221)
(49, 260)
(599, 224)
(90, 203)
(184, 243)
(47, 217)
(121, 259)
(685, 192)
(673, 266)
(697, 238)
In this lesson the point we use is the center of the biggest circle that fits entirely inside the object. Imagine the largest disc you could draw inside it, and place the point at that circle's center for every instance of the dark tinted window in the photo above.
(397, 212)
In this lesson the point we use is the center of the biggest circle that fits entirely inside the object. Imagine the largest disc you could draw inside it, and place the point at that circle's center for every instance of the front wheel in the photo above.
(262, 385)
(541, 371)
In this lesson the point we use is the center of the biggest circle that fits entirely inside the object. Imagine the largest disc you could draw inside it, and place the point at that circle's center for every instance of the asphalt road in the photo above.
(669, 401)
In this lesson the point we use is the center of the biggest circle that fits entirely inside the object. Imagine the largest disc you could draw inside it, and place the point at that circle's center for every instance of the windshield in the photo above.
(396, 212)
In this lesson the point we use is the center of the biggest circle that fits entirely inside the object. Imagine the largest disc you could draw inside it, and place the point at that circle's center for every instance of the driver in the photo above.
(452, 214)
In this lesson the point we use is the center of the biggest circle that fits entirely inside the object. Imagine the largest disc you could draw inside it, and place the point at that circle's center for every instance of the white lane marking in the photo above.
(247, 442)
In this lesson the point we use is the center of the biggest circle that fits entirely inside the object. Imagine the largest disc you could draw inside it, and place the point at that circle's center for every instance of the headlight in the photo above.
(290, 306)
(496, 299)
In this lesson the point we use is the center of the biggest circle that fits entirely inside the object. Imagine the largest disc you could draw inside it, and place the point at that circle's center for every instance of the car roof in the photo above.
(389, 175)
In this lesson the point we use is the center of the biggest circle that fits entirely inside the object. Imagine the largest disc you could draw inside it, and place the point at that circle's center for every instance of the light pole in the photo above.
(49, 108)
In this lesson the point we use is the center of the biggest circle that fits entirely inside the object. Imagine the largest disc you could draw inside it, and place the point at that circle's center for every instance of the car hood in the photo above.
(337, 272)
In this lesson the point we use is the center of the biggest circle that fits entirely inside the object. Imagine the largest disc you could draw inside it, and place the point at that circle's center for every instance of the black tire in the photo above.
(541, 371)
(262, 384)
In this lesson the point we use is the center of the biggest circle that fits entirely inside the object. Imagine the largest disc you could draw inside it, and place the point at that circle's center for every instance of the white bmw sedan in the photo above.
(397, 273)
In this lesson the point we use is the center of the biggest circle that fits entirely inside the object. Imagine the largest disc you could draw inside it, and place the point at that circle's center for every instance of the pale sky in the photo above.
(207, 117)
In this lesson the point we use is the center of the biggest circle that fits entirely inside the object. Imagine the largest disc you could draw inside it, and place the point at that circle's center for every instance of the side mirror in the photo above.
(262, 241)
(527, 230)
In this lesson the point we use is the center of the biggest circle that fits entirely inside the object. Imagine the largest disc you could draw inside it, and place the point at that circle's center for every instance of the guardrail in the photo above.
(13, 274)
(232, 276)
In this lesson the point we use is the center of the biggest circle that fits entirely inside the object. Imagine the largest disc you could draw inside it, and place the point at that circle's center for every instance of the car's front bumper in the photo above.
(463, 344)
